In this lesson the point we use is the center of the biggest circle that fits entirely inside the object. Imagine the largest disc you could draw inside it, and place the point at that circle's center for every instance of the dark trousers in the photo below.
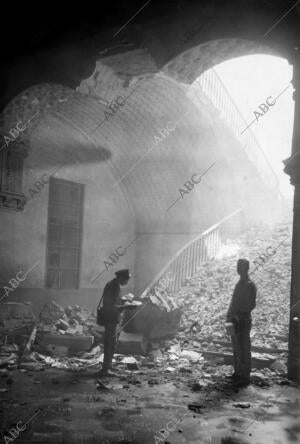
(110, 340)
(241, 345)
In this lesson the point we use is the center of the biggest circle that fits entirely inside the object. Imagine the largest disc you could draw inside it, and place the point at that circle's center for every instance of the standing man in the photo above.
(111, 313)
(239, 315)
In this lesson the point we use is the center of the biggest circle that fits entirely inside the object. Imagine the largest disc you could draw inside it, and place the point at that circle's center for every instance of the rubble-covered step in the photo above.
(131, 344)
(74, 343)
(257, 362)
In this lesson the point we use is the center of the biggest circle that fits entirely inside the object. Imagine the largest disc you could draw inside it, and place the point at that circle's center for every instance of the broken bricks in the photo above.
(242, 405)
(218, 277)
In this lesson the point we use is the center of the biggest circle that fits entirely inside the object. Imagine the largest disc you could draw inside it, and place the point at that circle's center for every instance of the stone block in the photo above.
(131, 344)
(152, 322)
(58, 350)
(74, 343)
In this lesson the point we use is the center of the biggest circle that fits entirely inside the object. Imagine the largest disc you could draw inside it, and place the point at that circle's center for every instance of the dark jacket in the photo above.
(111, 298)
(243, 300)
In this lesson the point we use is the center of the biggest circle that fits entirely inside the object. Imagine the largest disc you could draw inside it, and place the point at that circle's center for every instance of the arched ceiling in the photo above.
(81, 109)
(172, 65)
(116, 74)
(190, 64)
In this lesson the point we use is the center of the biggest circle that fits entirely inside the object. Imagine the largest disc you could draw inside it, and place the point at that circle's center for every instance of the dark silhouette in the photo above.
(111, 317)
(239, 315)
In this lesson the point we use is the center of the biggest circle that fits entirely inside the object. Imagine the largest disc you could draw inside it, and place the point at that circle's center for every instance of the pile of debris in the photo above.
(14, 316)
(51, 313)
(58, 333)
(71, 320)
(65, 332)
(160, 298)
(70, 337)
(205, 297)
(37, 361)
(9, 355)
(202, 304)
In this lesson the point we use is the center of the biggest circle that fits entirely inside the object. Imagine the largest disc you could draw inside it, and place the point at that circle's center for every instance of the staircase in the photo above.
(188, 259)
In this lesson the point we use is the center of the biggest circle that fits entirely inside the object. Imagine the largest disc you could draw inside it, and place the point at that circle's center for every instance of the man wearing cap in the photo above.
(111, 307)
(239, 316)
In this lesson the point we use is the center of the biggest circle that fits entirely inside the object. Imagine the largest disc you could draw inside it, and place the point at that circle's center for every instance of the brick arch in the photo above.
(190, 64)
(30, 105)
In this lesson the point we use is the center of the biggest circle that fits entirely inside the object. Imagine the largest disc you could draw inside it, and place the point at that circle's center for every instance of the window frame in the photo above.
(81, 186)
(12, 199)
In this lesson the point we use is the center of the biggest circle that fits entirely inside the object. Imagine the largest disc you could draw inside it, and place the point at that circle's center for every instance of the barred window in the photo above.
(11, 177)
(65, 213)
(11, 171)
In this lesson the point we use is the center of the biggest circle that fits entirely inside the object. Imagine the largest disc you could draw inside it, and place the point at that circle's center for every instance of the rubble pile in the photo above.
(205, 297)
(201, 346)
(71, 320)
(161, 299)
(62, 333)
(51, 313)
(57, 332)
(37, 361)
(15, 315)
(8, 355)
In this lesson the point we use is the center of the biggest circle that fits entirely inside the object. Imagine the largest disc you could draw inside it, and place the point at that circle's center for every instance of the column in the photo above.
(292, 168)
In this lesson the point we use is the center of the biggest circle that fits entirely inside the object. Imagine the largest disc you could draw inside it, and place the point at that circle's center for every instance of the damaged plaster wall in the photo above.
(108, 220)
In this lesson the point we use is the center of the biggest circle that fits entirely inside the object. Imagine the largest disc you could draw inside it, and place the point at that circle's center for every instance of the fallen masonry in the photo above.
(170, 331)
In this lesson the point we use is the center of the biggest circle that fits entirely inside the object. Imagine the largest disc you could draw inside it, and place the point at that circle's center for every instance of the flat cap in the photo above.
(123, 273)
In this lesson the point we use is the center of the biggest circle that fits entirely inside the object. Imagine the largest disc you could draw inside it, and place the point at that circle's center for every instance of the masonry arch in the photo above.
(190, 64)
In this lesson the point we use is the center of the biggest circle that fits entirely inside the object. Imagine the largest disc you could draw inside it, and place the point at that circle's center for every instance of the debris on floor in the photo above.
(71, 320)
(191, 357)
(242, 405)
(9, 355)
(204, 300)
(159, 338)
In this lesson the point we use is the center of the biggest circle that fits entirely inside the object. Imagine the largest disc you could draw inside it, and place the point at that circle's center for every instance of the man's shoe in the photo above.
(242, 382)
(111, 373)
(233, 376)
(106, 372)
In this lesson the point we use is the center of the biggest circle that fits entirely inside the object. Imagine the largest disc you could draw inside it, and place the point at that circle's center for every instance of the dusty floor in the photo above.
(75, 411)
